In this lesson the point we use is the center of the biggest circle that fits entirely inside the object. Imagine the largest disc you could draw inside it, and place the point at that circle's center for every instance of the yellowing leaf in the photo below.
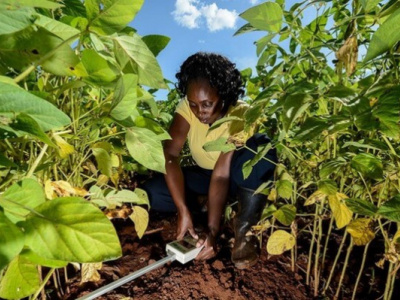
(89, 272)
(347, 55)
(64, 149)
(317, 196)
(140, 217)
(361, 231)
(340, 211)
(279, 242)
(102, 180)
(272, 195)
(49, 191)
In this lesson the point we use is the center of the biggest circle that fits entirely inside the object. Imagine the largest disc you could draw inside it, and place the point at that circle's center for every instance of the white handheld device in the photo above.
(184, 250)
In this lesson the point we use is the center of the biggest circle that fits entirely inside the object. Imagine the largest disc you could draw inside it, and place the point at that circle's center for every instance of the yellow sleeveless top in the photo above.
(199, 133)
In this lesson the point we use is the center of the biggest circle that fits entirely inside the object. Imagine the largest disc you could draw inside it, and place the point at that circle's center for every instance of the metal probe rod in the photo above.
(127, 278)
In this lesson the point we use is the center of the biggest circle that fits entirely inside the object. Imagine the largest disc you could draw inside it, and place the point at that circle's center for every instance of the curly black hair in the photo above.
(219, 71)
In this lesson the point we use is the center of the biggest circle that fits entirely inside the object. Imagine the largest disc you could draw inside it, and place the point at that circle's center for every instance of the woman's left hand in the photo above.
(209, 250)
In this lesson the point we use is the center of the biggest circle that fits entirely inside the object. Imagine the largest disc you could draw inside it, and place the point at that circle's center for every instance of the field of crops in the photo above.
(80, 129)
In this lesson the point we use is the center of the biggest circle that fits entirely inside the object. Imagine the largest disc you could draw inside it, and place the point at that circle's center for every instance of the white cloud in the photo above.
(186, 13)
(191, 13)
(253, 2)
(218, 18)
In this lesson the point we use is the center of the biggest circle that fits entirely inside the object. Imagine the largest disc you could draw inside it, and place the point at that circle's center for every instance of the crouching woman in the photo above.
(210, 86)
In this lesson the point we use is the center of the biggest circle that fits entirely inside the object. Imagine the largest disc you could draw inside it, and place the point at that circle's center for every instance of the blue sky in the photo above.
(198, 25)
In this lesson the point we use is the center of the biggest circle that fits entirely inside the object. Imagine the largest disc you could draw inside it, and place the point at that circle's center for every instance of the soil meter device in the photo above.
(183, 251)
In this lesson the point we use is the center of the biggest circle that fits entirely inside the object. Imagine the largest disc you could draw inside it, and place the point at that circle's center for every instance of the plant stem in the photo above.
(388, 282)
(346, 261)
(361, 271)
(317, 252)
(326, 243)
(334, 263)
(37, 161)
(312, 245)
(43, 283)
(393, 280)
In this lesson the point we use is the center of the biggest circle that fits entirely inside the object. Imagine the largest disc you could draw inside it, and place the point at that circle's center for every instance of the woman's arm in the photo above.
(174, 178)
(217, 197)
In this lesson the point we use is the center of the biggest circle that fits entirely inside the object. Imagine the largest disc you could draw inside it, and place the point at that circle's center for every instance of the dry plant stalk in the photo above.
(348, 54)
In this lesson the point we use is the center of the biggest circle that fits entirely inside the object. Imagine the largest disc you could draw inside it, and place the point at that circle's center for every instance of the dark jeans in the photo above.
(197, 180)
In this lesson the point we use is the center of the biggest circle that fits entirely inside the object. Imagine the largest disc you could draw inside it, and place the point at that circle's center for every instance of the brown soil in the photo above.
(270, 278)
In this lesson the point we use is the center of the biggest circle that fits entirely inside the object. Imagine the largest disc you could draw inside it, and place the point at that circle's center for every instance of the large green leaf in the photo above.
(71, 229)
(132, 50)
(22, 48)
(391, 209)
(110, 16)
(285, 214)
(36, 259)
(387, 111)
(266, 16)
(96, 69)
(219, 144)
(156, 43)
(369, 4)
(20, 280)
(125, 97)
(284, 188)
(14, 100)
(15, 20)
(385, 37)
(11, 241)
(293, 107)
(368, 165)
(26, 193)
(361, 207)
(342, 94)
(58, 28)
(146, 148)
(103, 160)
(312, 128)
(26, 123)
(16, 4)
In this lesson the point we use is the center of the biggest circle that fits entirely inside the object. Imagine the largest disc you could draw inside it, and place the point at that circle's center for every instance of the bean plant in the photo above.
(328, 93)
(77, 118)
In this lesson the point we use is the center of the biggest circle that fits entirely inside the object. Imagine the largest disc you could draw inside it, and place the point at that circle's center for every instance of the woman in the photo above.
(210, 86)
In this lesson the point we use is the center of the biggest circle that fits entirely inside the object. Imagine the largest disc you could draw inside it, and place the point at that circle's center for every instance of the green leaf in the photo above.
(5, 162)
(11, 241)
(132, 50)
(20, 49)
(125, 97)
(266, 16)
(103, 160)
(15, 4)
(26, 123)
(156, 43)
(387, 111)
(244, 29)
(331, 167)
(342, 94)
(286, 214)
(138, 197)
(26, 193)
(369, 4)
(12, 21)
(328, 187)
(71, 229)
(248, 165)
(14, 99)
(219, 144)
(110, 16)
(293, 107)
(58, 28)
(36, 259)
(391, 209)
(312, 128)
(361, 207)
(98, 70)
(368, 165)
(20, 280)
(284, 188)
(384, 37)
(146, 148)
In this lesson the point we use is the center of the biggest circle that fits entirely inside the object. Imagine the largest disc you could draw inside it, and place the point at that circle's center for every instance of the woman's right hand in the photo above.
(185, 224)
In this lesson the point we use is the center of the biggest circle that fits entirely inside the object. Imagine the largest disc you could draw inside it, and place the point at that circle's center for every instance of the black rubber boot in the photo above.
(246, 250)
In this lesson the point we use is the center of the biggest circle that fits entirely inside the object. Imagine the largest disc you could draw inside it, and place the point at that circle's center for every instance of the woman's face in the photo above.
(204, 101)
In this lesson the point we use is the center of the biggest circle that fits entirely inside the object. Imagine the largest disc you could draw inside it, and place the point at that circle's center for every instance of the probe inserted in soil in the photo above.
(183, 251)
